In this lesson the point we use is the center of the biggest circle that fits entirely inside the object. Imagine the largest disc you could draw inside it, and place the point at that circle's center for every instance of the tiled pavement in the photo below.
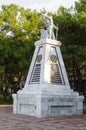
(9, 121)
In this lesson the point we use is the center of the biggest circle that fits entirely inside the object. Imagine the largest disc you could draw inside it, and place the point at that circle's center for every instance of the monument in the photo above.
(47, 90)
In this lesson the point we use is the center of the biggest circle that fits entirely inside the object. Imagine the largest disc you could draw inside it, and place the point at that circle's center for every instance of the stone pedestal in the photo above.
(47, 91)
(47, 104)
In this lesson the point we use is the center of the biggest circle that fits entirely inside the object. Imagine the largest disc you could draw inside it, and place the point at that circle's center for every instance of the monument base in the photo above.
(47, 103)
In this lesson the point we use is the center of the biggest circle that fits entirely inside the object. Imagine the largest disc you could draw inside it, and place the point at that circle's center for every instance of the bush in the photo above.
(5, 101)
(84, 100)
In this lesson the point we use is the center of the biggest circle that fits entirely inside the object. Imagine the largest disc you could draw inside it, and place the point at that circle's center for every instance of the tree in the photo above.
(19, 29)
(72, 32)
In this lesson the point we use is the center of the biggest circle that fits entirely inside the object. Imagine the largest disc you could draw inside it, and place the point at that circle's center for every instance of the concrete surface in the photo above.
(10, 121)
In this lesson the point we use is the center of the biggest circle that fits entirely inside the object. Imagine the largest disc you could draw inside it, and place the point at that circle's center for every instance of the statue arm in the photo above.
(46, 16)
(55, 27)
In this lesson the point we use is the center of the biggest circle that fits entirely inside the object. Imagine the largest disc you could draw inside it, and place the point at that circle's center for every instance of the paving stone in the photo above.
(10, 121)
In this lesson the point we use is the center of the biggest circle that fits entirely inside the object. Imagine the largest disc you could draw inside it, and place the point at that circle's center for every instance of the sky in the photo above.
(49, 5)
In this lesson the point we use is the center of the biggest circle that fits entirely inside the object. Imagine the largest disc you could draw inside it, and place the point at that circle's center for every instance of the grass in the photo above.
(5, 101)
(84, 100)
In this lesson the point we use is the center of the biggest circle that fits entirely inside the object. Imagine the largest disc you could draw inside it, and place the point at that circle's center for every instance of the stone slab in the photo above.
(45, 105)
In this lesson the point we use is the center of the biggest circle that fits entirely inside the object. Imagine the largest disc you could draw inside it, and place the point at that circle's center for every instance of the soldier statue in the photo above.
(49, 25)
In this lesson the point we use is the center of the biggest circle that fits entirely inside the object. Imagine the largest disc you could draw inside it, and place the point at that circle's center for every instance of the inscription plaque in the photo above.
(36, 74)
(55, 74)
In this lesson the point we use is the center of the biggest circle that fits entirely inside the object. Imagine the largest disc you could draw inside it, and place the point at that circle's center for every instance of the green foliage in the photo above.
(19, 29)
(5, 101)
(72, 33)
(85, 100)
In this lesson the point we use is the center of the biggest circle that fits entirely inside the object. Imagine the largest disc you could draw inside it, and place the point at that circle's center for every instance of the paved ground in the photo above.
(9, 121)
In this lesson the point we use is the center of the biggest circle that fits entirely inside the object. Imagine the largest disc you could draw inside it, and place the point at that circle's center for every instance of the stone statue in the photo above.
(49, 25)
